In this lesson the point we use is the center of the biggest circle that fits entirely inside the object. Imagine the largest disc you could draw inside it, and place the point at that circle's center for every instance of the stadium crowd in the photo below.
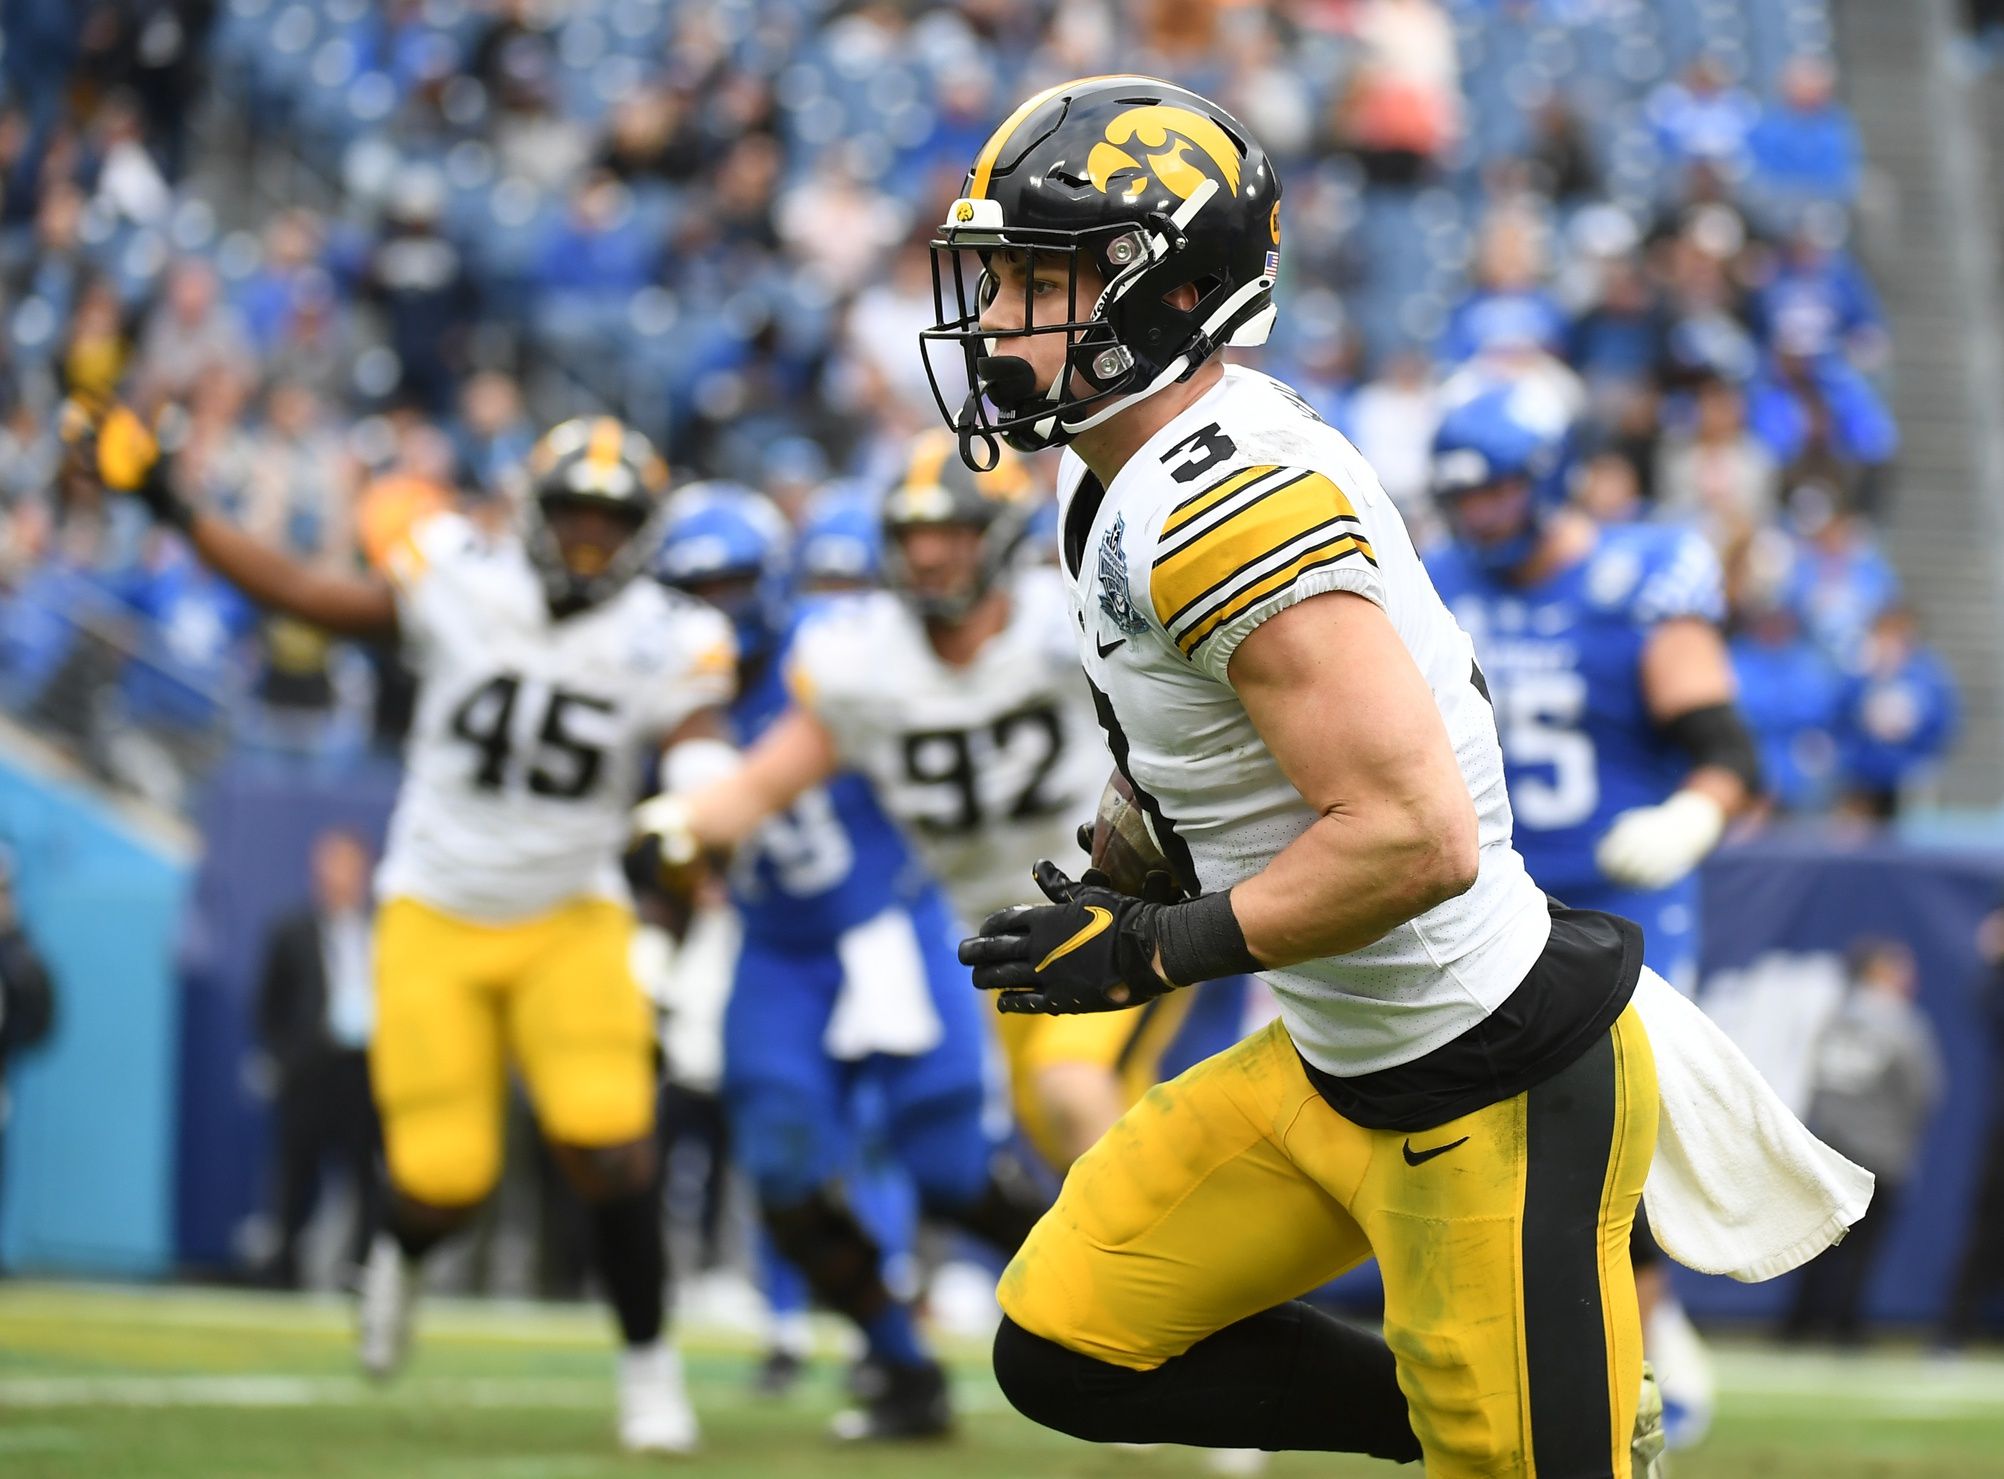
(714, 217)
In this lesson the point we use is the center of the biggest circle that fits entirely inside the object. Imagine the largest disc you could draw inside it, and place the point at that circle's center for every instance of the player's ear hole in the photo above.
(1187, 296)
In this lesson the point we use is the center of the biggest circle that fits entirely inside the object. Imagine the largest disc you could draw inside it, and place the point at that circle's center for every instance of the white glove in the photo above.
(1654, 846)
(666, 819)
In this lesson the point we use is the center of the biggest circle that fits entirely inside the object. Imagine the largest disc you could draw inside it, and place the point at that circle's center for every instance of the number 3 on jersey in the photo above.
(567, 753)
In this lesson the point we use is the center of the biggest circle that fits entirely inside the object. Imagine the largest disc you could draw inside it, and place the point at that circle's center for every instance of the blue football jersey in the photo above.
(1563, 663)
(830, 861)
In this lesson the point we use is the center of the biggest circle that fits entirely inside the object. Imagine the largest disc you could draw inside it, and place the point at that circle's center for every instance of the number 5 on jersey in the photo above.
(567, 753)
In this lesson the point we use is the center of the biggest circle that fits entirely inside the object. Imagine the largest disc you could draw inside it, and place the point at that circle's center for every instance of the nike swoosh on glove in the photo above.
(1089, 950)
(1654, 846)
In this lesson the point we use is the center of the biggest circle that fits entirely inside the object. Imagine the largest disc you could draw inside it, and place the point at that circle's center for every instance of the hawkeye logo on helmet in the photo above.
(964, 211)
(1162, 136)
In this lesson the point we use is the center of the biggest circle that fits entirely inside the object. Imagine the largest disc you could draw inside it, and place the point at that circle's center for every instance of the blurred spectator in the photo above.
(154, 48)
(417, 276)
(213, 467)
(1841, 580)
(1715, 473)
(1703, 116)
(95, 354)
(1563, 168)
(837, 228)
(287, 270)
(1509, 313)
(1402, 107)
(193, 331)
(1392, 420)
(789, 473)
(51, 264)
(493, 433)
(315, 1012)
(1788, 686)
(130, 185)
(1876, 1078)
(1814, 295)
(296, 491)
(1896, 717)
(596, 252)
(1620, 339)
(315, 347)
(1608, 487)
(27, 992)
(651, 136)
(1805, 147)
(1980, 1273)
(880, 337)
(43, 41)
(1818, 415)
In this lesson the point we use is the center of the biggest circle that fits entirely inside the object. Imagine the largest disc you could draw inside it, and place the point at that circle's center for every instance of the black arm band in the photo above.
(1716, 737)
(1202, 941)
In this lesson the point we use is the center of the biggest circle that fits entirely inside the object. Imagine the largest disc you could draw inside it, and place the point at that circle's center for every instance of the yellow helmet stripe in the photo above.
(928, 458)
(984, 162)
(608, 441)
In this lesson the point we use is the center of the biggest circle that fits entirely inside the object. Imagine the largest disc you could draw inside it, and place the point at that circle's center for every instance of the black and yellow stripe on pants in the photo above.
(1502, 1237)
(1129, 1044)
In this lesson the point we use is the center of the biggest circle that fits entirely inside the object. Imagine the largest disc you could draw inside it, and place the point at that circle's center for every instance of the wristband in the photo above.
(1202, 941)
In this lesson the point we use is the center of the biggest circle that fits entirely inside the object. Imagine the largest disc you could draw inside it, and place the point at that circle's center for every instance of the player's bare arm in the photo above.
(125, 456)
(1687, 684)
(1685, 671)
(796, 754)
(1353, 725)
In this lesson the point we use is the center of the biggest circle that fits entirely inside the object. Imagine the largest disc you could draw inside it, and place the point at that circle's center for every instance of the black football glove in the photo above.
(1089, 950)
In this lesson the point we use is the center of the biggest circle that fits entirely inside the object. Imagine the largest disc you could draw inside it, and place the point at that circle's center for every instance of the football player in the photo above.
(546, 674)
(1458, 1083)
(1623, 750)
(957, 693)
(846, 981)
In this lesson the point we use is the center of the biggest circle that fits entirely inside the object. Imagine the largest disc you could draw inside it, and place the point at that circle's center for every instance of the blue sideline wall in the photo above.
(87, 1155)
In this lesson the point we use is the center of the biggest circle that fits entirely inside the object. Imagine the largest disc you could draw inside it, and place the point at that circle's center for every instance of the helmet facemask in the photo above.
(568, 588)
(1114, 350)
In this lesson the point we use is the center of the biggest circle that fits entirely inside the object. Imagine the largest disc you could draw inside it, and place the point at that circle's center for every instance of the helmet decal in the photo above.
(1163, 134)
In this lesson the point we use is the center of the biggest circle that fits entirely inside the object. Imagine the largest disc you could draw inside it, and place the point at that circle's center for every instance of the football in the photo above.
(1123, 844)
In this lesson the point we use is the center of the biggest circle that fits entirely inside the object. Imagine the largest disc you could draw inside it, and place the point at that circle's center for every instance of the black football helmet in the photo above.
(934, 486)
(1148, 184)
(601, 461)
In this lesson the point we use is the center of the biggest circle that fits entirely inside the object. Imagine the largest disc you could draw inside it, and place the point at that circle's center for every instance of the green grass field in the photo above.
(190, 1384)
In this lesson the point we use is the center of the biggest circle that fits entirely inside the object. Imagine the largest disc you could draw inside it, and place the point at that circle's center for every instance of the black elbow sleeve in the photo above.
(1716, 736)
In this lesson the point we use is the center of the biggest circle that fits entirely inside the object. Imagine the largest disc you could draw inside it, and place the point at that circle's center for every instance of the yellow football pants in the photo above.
(1128, 1044)
(1502, 1237)
(457, 1001)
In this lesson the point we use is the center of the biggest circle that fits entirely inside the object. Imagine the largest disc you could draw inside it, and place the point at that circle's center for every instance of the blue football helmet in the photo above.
(841, 538)
(729, 545)
(1502, 433)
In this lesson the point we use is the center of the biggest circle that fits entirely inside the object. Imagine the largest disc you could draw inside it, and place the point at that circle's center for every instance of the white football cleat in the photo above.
(654, 1411)
(383, 1318)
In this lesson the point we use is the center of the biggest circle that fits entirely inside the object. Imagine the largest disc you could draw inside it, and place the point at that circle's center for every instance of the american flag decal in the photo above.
(1273, 264)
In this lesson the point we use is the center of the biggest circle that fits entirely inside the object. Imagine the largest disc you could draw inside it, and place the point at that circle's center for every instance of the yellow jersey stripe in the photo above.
(1264, 526)
(1339, 548)
(1211, 497)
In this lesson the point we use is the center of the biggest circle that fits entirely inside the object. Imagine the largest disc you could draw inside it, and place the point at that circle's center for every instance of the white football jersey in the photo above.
(1243, 505)
(988, 767)
(531, 735)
